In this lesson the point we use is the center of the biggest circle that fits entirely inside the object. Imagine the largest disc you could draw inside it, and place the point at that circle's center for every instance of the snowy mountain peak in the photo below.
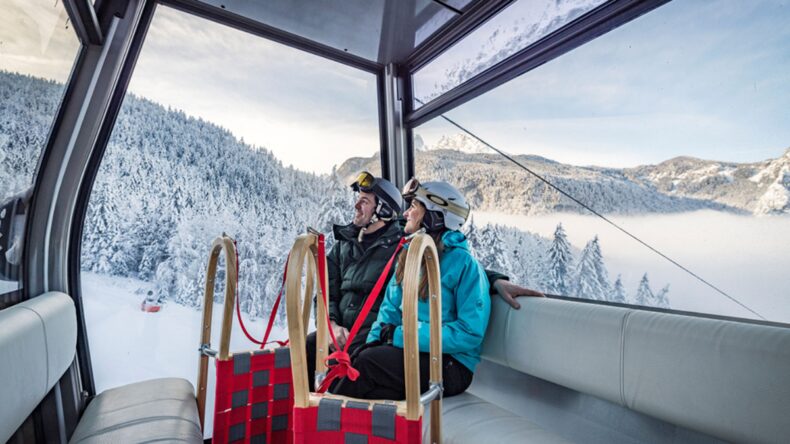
(459, 142)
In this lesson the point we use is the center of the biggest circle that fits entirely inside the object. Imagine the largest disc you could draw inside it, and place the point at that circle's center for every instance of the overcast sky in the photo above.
(707, 79)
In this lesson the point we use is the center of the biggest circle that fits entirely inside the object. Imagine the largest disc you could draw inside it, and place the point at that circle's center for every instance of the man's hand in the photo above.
(341, 334)
(510, 291)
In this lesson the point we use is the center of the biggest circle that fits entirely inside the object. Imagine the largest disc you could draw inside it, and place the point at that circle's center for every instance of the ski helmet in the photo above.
(388, 199)
(445, 206)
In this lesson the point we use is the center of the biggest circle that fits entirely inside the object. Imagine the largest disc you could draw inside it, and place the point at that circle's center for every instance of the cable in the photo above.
(588, 208)
(450, 7)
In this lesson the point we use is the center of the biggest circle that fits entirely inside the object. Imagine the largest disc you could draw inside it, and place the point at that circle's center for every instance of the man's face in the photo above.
(364, 208)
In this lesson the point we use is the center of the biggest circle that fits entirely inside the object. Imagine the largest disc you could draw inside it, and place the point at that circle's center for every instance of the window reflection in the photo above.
(37, 51)
(515, 28)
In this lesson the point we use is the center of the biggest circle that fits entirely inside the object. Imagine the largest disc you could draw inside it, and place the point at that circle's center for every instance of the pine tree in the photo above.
(661, 299)
(600, 269)
(618, 292)
(585, 283)
(644, 295)
(591, 280)
(560, 263)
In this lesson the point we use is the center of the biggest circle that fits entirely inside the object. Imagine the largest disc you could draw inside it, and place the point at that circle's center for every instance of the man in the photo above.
(361, 250)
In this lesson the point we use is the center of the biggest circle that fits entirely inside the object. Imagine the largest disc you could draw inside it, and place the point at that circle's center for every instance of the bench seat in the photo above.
(469, 419)
(38, 342)
(156, 410)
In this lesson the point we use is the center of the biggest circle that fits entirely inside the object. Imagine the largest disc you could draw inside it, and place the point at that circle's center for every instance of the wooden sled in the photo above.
(254, 391)
(327, 418)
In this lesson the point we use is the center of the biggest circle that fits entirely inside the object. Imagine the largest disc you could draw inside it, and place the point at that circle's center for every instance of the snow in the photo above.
(128, 345)
(745, 256)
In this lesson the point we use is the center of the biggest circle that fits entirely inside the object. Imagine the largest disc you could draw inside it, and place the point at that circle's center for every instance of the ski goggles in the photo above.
(364, 181)
(413, 190)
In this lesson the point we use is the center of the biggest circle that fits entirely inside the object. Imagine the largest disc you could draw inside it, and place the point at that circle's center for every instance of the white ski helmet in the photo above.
(445, 205)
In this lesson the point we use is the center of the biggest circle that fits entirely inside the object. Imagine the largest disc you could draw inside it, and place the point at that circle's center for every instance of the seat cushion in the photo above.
(38, 339)
(156, 410)
(469, 419)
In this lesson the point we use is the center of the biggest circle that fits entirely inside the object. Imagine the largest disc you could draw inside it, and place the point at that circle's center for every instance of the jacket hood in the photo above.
(455, 239)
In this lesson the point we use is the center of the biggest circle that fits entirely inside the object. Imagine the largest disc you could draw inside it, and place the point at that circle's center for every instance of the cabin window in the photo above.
(675, 127)
(37, 51)
(519, 25)
(220, 131)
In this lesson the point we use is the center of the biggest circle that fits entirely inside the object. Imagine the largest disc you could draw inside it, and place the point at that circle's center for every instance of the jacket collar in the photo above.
(392, 233)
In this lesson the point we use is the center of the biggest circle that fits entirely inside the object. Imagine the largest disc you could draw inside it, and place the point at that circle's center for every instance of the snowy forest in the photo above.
(170, 183)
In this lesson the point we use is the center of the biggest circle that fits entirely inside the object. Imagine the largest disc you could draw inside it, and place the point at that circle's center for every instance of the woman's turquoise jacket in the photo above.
(466, 305)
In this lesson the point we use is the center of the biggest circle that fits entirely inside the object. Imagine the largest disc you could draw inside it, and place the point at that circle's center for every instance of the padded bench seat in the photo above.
(38, 342)
(469, 419)
(156, 410)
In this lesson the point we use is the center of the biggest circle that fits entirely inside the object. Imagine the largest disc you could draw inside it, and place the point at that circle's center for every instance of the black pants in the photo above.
(359, 340)
(381, 375)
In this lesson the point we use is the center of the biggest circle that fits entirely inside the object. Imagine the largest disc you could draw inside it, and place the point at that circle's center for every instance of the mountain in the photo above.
(167, 186)
(492, 183)
(458, 142)
(170, 183)
(759, 187)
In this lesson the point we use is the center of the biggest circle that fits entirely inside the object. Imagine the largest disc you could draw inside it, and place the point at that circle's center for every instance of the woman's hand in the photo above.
(510, 291)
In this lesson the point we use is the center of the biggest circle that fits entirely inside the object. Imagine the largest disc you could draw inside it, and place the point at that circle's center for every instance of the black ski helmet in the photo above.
(388, 198)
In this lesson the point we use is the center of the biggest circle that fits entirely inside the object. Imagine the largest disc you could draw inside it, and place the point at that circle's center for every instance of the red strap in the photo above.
(271, 316)
(274, 309)
(343, 367)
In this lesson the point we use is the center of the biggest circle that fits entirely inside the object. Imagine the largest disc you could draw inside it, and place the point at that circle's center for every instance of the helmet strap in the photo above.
(432, 221)
(362, 230)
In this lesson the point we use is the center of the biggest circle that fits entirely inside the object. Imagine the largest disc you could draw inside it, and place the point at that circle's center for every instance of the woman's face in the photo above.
(414, 215)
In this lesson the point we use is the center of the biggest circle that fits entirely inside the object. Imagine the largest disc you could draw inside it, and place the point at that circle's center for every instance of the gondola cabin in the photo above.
(629, 160)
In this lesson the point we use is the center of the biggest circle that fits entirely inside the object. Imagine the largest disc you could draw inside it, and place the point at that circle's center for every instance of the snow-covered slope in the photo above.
(492, 183)
(759, 188)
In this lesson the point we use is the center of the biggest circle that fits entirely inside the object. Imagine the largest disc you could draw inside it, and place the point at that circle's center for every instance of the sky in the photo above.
(310, 112)
(706, 79)
(36, 39)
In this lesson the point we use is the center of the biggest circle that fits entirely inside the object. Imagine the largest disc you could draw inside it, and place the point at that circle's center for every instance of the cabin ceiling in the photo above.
(379, 31)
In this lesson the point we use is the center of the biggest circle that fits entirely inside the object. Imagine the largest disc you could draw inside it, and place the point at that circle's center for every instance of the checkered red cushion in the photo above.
(254, 398)
(356, 422)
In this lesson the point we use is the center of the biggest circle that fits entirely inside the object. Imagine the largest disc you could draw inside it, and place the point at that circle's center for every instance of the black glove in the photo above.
(387, 333)
(362, 347)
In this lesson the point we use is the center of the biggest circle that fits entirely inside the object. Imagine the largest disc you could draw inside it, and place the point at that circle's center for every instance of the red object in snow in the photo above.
(150, 307)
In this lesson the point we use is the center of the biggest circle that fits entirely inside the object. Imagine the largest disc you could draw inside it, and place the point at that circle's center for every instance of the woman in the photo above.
(441, 210)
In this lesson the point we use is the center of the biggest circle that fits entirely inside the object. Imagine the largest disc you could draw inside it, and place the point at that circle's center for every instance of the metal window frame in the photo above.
(86, 188)
(227, 18)
(694, 314)
(83, 17)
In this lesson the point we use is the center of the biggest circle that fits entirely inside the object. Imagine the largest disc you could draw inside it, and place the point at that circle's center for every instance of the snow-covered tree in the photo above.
(661, 298)
(560, 263)
(591, 279)
(169, 183)
(644, 295)
(618, 292)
